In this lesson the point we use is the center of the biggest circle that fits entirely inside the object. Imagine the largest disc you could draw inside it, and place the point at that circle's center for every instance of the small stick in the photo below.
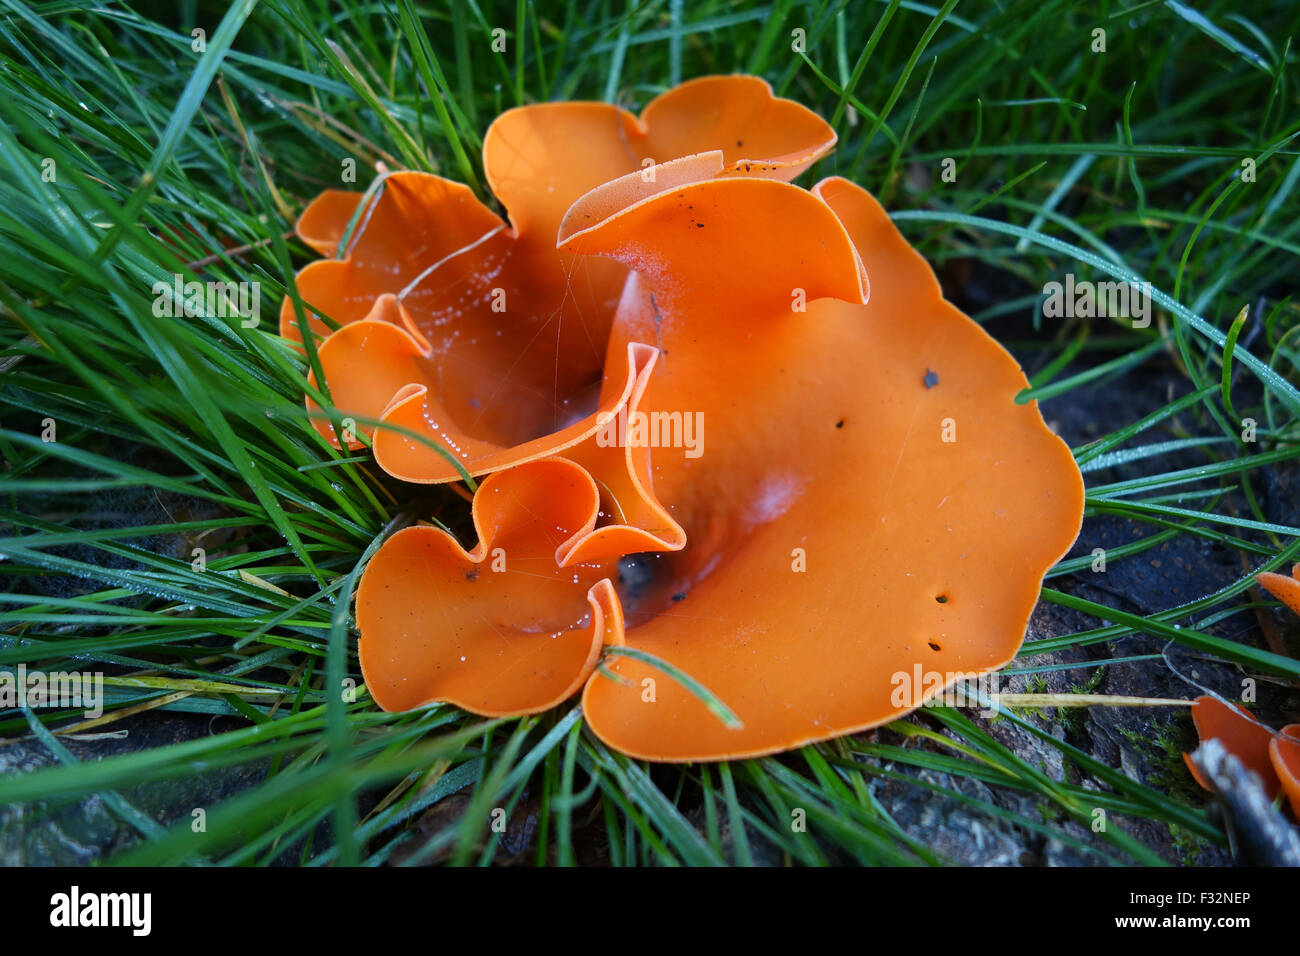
(1085, 700)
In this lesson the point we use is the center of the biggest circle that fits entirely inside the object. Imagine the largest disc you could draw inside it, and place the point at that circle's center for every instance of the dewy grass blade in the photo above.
(337, 732)
(1228, 650)
(1276, 383)
(177, 126)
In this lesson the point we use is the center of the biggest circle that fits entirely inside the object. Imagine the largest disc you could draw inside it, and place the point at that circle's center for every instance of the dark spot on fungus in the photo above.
(472, 574)
(679, 596)
(934, 646)
(941, 598)
(840, 423)
(930, 380)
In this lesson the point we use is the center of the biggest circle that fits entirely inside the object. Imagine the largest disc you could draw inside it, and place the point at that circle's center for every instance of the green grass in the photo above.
(1121, 164)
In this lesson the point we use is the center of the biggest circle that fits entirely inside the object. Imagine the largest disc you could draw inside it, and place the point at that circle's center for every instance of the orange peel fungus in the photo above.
(870, 503)
(1273, 756)
(480, 336)
(1285, 589)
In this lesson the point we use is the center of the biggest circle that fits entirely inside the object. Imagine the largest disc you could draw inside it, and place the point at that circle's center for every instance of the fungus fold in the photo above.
(1273, 756)
(478, 335)
(1285, 589)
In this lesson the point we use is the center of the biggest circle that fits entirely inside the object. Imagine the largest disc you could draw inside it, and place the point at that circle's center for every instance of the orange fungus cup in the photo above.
(800, 474)
(1285, 589)
(466, 332)
(1273, 756)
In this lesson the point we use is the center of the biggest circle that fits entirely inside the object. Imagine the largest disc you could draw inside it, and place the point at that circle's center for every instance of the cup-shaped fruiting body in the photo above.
(868, 522)
(476, 336)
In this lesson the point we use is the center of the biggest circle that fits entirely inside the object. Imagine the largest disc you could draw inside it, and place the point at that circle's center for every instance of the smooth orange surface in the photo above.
(322, 223)
(513, 331)
(414, 221)
(824, 447)
(1241, 735)
(507, 628)
(1285, 589)
(539, 159)
(1284, 754)
(488, 629)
